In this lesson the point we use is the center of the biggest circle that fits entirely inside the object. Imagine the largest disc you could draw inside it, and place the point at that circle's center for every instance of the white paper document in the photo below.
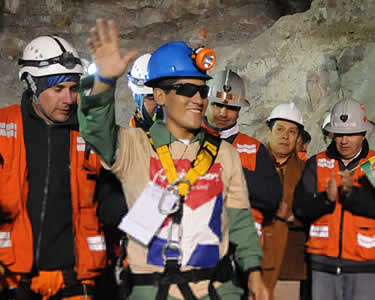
(145, 218)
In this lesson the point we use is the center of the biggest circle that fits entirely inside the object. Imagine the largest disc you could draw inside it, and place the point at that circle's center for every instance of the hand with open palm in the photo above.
(105, 49)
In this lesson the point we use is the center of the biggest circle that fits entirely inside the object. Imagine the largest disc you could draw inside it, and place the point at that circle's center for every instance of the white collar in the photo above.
(229, 132)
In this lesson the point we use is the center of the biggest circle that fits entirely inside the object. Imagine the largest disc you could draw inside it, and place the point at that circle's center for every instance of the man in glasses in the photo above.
(51, 245)
(227, 96)
(185, 188)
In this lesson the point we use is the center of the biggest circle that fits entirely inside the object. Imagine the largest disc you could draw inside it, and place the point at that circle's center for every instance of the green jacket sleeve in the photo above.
(243, 234)
(97, 122)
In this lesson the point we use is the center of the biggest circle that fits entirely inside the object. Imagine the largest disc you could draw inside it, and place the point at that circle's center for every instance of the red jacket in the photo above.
(16, 238)
(353, 234)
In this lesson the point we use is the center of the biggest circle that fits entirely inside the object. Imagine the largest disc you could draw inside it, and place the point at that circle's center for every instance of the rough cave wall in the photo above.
(286, 50)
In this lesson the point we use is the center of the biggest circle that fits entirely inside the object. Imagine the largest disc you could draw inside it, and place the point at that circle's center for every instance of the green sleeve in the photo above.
(97, 122)
(243, 234)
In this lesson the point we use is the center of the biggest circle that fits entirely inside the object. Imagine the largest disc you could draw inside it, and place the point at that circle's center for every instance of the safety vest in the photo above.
(16, 238)
(248, 147)
(341, 234)
(303, 156)
(132, 122)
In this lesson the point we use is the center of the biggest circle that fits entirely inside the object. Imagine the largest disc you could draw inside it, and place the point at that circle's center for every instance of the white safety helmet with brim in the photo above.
(227, 88)
(49, 55)
(326, 121)
(348, 116)
(288, 112)
(137, 75)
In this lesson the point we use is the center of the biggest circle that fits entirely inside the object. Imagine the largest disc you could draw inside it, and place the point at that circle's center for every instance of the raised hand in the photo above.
(331, 188)
(105, 49)
(346, 182)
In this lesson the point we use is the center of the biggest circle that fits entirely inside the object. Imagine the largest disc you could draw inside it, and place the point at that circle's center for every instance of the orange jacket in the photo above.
(16, 238)
(354, 235)
(303, 156)
(248, 147)
(132, 122)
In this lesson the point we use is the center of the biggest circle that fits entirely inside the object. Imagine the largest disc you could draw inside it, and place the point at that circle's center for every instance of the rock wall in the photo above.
(286, 50)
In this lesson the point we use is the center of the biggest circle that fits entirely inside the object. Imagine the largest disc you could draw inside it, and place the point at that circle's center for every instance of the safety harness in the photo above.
(172, 274)
(73, 287)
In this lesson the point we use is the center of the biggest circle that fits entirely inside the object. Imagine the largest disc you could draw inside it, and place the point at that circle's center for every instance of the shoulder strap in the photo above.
(205, 158)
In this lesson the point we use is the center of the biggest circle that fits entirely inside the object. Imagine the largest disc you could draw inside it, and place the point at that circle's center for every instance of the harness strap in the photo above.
(205, 158)
(74, 287)
(336, 269)
(83, 289)
(194, 275)
(222, 272)
(172, 275)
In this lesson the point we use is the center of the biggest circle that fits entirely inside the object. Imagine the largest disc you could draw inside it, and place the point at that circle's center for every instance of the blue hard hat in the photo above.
(173, 60)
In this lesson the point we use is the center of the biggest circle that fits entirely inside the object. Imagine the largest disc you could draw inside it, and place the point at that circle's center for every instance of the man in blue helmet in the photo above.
(185, 188)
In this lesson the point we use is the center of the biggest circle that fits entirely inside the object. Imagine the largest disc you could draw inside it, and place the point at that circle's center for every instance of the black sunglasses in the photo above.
(187, 89)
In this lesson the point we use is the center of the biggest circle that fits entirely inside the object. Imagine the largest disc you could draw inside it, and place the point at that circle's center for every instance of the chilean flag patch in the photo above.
(201, 221)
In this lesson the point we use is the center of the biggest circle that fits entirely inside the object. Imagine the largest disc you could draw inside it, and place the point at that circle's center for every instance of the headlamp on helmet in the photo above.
(91, 69)
(204, 58)
(49, 55)
(227, 88)
(66, 59)
(137, 81)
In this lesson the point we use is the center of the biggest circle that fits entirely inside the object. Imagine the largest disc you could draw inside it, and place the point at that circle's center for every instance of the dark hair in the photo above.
(306, 137)
(272, 122)
(166, 82)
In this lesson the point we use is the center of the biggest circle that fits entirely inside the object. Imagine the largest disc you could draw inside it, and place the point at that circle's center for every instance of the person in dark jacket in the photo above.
(337, 201)
(111, 209)
(51, 244)
(283, 237)
(227, 96)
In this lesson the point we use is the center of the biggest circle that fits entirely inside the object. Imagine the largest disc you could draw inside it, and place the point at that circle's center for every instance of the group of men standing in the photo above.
(209, 212)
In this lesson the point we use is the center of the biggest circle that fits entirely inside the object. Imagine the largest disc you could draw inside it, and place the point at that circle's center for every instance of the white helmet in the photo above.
(286, 111)
(137, 75)
(49, 55)
(227, 87)
(348, 116)
(326, 121)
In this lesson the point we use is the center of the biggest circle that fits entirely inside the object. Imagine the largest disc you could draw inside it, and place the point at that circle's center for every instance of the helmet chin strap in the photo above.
(40, 108)
(30, 84)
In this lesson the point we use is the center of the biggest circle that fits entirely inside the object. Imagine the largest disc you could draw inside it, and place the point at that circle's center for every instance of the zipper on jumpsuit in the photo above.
(45, 197)
(338, 270)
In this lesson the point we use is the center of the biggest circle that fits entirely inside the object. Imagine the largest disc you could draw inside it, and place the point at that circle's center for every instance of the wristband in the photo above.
(281, 219)
(106, 80)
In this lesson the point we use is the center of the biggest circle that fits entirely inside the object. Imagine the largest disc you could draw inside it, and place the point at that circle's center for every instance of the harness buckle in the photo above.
(163, 206)
(173, 246)
(181, 180)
